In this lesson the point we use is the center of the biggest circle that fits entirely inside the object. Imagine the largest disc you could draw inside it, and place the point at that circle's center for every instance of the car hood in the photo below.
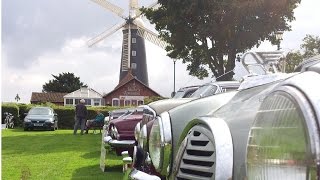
(167, 104)
(128, 123)
(39, 117)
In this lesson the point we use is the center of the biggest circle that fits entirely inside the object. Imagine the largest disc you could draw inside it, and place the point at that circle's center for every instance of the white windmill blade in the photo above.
(105, 34)
(153, 5)
(111, 7)
(151, 36)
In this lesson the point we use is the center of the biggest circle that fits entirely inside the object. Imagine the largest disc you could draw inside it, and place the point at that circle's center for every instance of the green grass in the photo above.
(55, 155)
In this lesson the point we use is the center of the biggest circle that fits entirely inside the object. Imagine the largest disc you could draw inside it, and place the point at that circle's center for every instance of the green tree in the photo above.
(17, 98)
(65, 82)
(207, 34)
(310, 47)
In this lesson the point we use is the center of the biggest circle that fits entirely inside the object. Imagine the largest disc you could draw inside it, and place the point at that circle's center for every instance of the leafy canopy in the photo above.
(207, 34)
(64, 82)
(309, 48)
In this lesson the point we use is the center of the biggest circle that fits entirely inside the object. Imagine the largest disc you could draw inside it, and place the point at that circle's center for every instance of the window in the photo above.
(77, 101)
(88, 102)
(127, 102)
(140, 102)
(69, 101)
(134, 53)
(96, 102)
(134, 40)
(115, 102)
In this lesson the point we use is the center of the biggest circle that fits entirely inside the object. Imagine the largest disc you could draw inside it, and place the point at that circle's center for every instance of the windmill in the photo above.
(133, 57)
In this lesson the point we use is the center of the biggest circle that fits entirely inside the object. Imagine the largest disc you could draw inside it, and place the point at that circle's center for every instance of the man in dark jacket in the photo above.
(81, 115)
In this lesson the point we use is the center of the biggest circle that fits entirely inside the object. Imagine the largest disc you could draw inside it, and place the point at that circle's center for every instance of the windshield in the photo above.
(39, 111)
(179, 94)
(204, 91)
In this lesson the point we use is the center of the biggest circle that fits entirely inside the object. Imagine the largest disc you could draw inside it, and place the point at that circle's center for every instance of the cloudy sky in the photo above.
(40, 38)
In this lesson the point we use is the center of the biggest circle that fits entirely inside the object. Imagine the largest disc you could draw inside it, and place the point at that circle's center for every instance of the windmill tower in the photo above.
(133, 57)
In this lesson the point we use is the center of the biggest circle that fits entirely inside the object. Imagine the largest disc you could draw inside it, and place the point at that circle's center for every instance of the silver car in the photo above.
(41, 118)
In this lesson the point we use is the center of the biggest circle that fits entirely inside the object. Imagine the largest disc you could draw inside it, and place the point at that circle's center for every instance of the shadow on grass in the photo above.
(94, 172)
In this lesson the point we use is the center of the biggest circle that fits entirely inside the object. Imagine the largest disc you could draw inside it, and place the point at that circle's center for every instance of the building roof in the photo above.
(128, 78)
(84, 92)
(47, 97)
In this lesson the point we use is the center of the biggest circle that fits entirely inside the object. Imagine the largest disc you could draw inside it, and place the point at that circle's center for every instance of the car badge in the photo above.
(38, 121)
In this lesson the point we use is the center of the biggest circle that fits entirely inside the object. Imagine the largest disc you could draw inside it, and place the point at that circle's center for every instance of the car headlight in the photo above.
(160, 143)
(142, 141)
(137, 131)
(27, 120)
(284, 141)
(49, 120)
(114, 132)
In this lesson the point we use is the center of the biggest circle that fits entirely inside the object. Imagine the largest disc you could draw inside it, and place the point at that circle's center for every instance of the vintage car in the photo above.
(185, 92)
(268, 129)
(120, 131)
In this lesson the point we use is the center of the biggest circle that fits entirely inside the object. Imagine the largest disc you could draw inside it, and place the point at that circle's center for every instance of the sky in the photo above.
(40, 38)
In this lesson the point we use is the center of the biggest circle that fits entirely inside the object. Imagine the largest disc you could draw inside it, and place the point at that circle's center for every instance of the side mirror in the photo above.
(25, 114)
(55, 114)
(172, 94)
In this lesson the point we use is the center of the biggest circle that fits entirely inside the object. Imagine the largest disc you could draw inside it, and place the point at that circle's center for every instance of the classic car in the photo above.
(120, 133)
(185, 92)
(269, 129)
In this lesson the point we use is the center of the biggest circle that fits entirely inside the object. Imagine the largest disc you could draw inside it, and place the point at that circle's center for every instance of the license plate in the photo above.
(37, 124)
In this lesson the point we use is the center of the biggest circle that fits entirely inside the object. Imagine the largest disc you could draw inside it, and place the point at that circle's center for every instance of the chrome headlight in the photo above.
(284, 139)
(114, 132)
(142, 141)
(137, 131)
(160, 143)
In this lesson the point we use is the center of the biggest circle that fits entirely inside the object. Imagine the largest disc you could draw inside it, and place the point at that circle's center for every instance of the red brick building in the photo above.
(129, 92)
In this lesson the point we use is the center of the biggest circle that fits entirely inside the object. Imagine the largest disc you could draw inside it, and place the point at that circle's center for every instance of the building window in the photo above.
(140, 102)
(133, 102)
(69, 101)
(134, 40)
(77, 101)
(115, 102)
(88, 102)
(134, 53)
(96, 102)
(127, 102)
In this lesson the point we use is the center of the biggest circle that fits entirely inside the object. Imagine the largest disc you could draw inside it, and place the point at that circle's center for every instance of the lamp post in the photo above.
(174, 75)
(279, 35)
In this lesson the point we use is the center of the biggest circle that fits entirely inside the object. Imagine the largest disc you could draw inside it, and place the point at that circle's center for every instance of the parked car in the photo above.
(269, 129)
(185, 92)
(41, 118)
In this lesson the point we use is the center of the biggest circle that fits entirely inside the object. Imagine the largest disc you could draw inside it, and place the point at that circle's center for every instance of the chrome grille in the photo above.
(198, 158)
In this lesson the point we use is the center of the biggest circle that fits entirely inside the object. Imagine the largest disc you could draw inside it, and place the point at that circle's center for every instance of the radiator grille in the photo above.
(198, 158)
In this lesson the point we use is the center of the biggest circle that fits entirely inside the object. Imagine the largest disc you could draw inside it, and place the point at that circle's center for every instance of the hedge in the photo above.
(66, 114)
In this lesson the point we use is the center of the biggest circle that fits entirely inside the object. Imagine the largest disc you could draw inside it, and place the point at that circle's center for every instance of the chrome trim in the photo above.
(139, 175)
(166, 144)
(137, 130)
(118, 143)
(142, 139)
(223, 143)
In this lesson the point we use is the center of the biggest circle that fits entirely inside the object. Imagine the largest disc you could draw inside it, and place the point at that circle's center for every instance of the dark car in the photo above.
(41, 118)
(269, 129)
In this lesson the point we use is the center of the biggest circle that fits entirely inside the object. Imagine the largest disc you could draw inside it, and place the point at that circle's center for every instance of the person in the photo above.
(80, 117)
(97, 120)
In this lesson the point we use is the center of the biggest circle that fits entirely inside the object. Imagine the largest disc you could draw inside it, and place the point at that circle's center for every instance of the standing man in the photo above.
(81, 115)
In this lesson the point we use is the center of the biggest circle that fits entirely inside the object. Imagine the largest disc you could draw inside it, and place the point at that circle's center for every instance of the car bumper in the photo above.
(45, 125)
(139, 175)
(118, 143)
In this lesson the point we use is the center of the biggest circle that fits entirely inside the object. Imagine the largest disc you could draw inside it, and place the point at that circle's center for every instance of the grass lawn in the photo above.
(55, 155)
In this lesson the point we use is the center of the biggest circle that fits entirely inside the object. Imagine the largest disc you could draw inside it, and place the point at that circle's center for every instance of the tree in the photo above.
(17, 98)
(310, 47)
(207, 34)
(65, 82)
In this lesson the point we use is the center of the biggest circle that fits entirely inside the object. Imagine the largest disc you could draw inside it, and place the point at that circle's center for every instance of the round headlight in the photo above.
(160, 143)
(143, 136)
(137, 131)
(279, 145)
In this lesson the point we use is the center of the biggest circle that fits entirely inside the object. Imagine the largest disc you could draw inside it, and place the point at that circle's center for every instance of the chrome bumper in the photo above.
(117, 143)
(139, 175)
